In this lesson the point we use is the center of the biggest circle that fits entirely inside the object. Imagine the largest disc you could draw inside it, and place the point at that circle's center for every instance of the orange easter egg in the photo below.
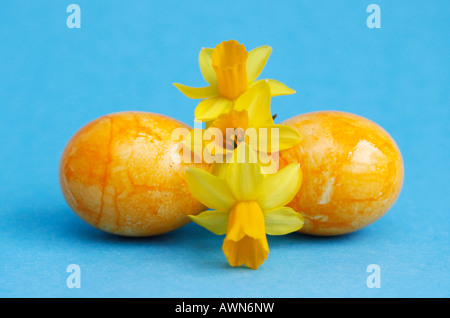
(352, 171)
(118, 174)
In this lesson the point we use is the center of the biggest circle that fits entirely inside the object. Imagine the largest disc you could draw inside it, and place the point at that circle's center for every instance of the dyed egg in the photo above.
(118, 174)
(352, 171)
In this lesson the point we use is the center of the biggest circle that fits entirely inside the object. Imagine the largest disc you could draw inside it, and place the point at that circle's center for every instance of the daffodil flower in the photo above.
(252, 110)
(251, 122)
(230, 71)
(246, 205)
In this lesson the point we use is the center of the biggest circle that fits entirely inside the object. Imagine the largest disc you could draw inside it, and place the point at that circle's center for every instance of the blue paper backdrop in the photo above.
(127, 54)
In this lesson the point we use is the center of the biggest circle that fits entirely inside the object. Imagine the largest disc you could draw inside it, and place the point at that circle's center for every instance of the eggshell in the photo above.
(118, 174)
(352, 171)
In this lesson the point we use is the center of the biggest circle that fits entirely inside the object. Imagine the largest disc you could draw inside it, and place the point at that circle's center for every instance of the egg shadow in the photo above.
(198, 247)
(311, 240)
(81, 230)
(58, 225)
(61, 225)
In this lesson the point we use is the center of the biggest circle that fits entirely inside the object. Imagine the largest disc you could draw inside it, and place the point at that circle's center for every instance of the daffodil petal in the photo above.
(198, 92)
(219, 169)
(288, 137)
(280, 188)
(277, 88)
(256, 61)
(206, 66)
(243, 175)
(281, 221)
(209, 189)
(211, 108)
(212, 220)
(278, 137)
(256, 101)
(243, 154)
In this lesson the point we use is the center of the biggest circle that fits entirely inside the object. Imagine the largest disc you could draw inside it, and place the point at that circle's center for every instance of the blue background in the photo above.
(126, 56)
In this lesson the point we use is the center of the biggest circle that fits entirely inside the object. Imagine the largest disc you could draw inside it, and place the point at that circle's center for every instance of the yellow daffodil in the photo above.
(250, 122)
(246, 205)
(230, 71)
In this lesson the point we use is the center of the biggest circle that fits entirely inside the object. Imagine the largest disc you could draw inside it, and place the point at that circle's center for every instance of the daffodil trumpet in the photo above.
(246, 204)
(230, 71)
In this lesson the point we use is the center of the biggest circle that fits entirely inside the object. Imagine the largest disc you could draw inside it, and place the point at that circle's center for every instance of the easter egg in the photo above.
(352, 171)
(119, 173)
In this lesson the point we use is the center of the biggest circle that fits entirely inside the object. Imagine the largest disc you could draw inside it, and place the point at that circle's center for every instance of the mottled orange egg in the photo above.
(118, 174)
(352, 171)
